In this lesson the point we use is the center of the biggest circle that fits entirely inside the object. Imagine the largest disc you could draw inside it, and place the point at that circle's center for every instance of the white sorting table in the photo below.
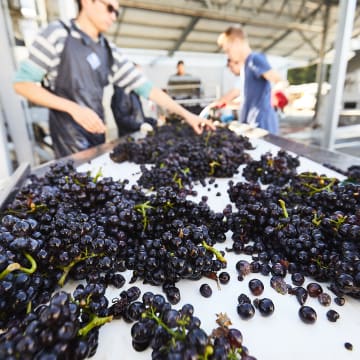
(280, 336)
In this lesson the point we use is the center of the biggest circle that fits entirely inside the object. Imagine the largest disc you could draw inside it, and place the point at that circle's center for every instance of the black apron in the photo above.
(82, 75)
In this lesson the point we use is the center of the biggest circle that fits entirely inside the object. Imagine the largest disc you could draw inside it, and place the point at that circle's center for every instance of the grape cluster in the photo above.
(177, 334)
(352, 173)
(62, 329)
(181, 157)
(277, 170)
(310, 226)
(70, 225)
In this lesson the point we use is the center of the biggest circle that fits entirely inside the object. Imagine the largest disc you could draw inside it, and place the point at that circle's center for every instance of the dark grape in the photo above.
(256, 287)
(339, 301)
(245, 310)
(332, 315)
(314, 289)
(307, 314)
(265, 306)
(297, 279)
(224, 277)
(205, 290)
(324, 299)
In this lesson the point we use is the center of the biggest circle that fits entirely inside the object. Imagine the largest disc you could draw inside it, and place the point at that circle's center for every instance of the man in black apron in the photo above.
(75, 62)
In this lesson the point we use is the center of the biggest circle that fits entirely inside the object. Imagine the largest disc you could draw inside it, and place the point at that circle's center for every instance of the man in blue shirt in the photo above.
(258, 76)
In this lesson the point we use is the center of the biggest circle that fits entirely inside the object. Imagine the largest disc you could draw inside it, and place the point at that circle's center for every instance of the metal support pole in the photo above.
(5, 162)
(321, 68)
(13, 111)
(338, 70)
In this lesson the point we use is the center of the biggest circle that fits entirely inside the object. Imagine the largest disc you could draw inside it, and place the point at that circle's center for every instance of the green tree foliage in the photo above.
(303, 75)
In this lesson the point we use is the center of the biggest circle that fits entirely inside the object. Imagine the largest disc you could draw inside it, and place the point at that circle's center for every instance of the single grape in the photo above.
(332, 315)
(246, 311)
(307, 314)
(256, 287)
(205, 290)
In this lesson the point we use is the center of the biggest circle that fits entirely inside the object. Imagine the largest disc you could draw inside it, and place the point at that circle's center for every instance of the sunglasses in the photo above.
(110, 8)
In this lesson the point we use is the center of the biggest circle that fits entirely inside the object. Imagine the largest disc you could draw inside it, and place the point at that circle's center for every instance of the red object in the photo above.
(279, 99)
(220, 106)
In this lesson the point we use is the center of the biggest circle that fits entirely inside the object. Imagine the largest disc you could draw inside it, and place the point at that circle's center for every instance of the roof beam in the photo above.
(170, 8)
(298, 47)
(281, 8)
(184, 35)
(355, 33)
(309, 42)
(260, 7)
(288, 31)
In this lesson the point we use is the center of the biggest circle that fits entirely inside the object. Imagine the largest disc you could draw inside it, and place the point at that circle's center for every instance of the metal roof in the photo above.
(289, 28)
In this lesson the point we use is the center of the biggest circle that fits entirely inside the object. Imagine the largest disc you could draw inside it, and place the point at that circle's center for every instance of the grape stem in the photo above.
(283, 207)
(98, 174)
(28, 307)
(207, 138)
(177, 180)
(233, 354)
(340, 220)
(314, 189)
(316, 220)
(209, 350)
(175, 334)
(10, 268)
(95, 322)
(141, 208)
(212, 165)
(67, 269)
(16, 266)
(216, 252)
(30, 210)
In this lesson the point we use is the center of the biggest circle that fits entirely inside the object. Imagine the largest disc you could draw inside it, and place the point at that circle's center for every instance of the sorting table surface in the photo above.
(280, 336)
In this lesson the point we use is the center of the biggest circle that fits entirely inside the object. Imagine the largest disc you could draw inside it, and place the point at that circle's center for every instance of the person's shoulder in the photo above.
(259, 59)
(55, 31)
(55, 26)
(258, 55)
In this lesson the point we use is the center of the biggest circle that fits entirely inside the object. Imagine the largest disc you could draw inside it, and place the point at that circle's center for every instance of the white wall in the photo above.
(210, 68)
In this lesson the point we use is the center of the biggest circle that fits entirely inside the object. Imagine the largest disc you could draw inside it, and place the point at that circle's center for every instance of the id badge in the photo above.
(93, 60)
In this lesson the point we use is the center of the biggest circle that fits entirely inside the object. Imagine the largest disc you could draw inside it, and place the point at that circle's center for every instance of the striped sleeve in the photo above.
(47, 47)
(29, 72)
(125, 75)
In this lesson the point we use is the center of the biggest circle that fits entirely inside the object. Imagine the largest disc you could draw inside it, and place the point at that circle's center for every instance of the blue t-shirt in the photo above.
(257, 94)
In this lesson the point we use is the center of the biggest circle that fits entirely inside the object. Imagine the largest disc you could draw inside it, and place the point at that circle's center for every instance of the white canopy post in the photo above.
(338, 71)
(12, 109)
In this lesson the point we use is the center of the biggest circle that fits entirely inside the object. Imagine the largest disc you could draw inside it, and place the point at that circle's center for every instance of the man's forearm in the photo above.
(165, 101)
(230, 95)
(43, 97)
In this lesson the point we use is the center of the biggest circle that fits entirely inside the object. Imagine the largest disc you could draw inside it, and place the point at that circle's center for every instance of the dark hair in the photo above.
(180, 62)
(235, 31)
(79, 5)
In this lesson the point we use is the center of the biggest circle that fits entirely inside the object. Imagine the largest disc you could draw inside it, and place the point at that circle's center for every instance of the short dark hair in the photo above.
(180, 62)
(235, 31)
(79, 5)
(231, 33)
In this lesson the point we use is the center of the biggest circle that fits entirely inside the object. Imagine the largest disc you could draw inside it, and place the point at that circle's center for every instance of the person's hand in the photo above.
(217, 104)
(198, 124)
(88, 119)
